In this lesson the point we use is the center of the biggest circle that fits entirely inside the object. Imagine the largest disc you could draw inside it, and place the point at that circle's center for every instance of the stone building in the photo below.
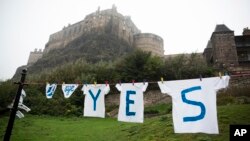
(110, 21)
(120, 25)
(34, 56)
(225, 50)
(149, 42)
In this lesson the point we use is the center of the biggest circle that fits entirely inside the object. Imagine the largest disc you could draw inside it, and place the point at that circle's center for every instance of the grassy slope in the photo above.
(159, 128)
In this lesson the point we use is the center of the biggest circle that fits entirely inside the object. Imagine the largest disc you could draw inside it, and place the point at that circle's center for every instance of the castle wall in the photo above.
(224, 49)
(149, 42)
(34, 56)
(105, 21)
(100, 21)
(208, 52)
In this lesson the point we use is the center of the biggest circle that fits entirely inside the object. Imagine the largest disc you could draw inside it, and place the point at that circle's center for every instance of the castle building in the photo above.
(102, 21)
(34, 56)
(225, 50)
(117, 24)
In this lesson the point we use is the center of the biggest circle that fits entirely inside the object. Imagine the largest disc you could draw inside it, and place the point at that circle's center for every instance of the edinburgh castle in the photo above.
(101, 21)
(224, 50)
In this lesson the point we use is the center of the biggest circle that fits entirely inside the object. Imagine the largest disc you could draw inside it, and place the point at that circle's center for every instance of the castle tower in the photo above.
(34, 56)
(224, 52)
(246, 31)
(208, 52)
(149, 42)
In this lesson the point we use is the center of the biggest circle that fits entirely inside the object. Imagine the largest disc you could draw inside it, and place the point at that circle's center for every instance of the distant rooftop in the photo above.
(221, 28)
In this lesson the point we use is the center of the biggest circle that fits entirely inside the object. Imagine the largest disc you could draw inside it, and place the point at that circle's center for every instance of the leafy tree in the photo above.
(185, 66)
(139, 65)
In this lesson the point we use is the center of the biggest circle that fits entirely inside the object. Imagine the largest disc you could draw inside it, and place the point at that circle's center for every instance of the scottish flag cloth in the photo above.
(50, 90)
(68, 89)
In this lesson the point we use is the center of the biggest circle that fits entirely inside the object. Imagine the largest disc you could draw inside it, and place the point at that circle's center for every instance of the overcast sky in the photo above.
(185, 25)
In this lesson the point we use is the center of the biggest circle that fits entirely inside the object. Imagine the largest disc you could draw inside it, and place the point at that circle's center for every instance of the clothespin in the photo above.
(85, 83)
(220, 75)
(106, 82)
(144, 80)
(120, 82)
(47, 83)
(63, 83)
(95, 83)
(133, 81)
(200, 77)
(162, 80)
(226, 73)
(77, 82)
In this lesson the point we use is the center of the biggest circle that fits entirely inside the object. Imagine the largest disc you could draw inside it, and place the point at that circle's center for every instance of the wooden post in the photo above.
(15, 106)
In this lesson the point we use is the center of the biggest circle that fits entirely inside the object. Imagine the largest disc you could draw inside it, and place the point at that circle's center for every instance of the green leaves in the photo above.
(139, 65)
(186, 66)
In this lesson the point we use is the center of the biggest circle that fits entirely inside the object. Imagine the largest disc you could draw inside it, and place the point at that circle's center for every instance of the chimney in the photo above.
(246, 31)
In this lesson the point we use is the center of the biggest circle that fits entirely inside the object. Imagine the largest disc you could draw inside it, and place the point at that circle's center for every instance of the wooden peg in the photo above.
(220, 75)
(133, 81)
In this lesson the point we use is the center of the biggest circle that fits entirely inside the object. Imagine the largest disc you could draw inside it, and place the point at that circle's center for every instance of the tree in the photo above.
(139, 65)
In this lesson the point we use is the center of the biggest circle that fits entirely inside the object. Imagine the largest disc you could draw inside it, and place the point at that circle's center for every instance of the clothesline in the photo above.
(44, 83)
(193, 101)
(106, 82)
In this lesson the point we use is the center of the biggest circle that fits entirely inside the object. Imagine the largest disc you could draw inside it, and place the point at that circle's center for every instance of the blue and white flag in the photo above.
(50, 90)
(68, 89)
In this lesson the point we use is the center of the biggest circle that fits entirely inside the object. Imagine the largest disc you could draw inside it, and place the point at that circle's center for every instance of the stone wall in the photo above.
(150, 97)
(224, 49)
(34, 56)
(99, 21)
(149, 42)
(240, 80)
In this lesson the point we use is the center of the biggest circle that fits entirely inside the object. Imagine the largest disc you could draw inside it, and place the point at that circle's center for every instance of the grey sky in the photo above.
(185, 25)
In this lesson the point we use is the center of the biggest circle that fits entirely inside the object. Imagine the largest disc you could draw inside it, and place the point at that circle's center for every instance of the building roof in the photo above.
(221, 28)
(242, 41)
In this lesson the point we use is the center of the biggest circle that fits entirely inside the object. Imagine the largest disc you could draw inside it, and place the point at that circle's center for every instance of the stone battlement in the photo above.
(34, 56)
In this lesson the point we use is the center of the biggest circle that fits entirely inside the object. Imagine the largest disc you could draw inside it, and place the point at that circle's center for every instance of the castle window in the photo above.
(74, 30)
(80, 27)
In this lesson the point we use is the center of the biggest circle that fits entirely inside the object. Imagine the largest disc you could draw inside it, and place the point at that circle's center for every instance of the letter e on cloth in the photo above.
(131, 102)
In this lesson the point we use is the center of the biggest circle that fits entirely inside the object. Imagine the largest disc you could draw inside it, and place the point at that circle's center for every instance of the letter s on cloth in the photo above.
(200, 104)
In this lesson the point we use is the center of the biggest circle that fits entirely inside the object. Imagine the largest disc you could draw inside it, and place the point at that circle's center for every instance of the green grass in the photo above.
(160, 128)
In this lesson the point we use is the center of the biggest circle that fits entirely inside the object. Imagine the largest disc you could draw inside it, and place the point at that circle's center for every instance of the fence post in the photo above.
(15, 106)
